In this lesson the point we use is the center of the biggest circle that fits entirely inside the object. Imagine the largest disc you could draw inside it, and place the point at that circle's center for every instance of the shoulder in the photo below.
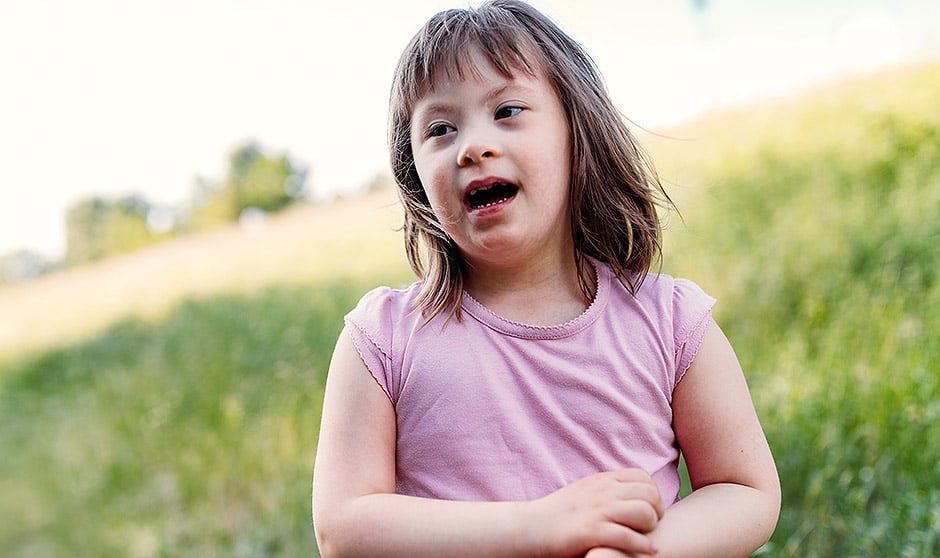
(679, 309)
(386, 299)
(670, 295)
(376, 326)
(383, 309)
(691, 316)
(682, 299)
(689, 303)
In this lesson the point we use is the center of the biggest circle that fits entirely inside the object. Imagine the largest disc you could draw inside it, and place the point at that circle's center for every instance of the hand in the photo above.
(614, 510)
(602, 552)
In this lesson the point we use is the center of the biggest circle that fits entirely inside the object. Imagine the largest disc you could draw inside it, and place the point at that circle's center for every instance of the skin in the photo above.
(508, 130)
(513, 129)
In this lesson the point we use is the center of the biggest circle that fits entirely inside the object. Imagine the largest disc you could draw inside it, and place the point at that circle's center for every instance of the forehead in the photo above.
(473, 59)
(479, 67)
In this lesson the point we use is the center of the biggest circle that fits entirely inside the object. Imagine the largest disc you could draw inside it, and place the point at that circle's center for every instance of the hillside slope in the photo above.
(353, 237)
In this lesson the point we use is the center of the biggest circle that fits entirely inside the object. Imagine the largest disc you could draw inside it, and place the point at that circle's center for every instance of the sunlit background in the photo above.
(111, 98)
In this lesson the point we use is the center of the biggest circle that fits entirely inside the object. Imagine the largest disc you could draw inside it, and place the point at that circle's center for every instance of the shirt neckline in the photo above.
(505, 326)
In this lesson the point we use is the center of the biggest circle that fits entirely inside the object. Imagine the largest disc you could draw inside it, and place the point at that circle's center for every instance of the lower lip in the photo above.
(488, 210)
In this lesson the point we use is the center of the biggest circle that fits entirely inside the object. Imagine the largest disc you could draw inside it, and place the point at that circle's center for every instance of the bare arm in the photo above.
(735, 498)
(357, 513)
(735, 502)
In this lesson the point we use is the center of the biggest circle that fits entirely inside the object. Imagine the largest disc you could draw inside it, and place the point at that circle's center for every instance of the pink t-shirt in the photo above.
(493, 410)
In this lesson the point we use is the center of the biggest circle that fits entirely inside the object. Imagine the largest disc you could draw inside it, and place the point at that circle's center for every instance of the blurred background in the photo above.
(194, 193)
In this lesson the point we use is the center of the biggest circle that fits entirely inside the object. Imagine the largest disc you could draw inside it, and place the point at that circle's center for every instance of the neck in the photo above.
(545, 291)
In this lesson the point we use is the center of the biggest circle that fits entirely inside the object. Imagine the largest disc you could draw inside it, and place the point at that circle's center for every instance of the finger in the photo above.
(632, 474)
(641, 485)
(638, 515)
(625, 539)
(605, 552)
(643, 491)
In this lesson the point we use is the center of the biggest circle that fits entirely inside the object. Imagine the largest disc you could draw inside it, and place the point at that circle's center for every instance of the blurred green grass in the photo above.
(823, 245)
(816, 223)
(191, 436)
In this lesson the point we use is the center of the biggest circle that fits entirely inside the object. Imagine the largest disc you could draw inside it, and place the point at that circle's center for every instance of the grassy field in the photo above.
(166, 403)
(818, 227)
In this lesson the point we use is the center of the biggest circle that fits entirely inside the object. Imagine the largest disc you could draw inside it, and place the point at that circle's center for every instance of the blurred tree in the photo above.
(23, 265)
(254, 180)
(97, 228)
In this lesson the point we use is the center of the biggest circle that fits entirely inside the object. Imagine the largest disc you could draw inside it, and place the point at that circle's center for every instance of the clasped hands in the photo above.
(605, 515)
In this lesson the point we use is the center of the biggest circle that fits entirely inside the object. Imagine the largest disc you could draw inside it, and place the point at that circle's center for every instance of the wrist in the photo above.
(539, 536)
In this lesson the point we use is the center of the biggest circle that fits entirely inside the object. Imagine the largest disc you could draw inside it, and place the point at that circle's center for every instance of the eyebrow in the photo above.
(503, 89)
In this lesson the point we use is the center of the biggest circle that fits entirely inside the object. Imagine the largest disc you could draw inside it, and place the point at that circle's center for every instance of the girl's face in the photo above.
(494, 158)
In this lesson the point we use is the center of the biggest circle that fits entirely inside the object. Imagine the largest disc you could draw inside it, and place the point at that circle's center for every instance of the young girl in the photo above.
(531, 393)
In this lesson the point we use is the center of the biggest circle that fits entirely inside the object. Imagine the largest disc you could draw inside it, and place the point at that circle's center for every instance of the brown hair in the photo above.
(614, 191)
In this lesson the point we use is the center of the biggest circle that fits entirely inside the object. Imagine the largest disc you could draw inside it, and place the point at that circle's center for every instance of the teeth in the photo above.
(496, 201)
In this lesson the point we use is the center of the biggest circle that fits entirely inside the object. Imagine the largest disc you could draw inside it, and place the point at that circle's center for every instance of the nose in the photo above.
(474, 150)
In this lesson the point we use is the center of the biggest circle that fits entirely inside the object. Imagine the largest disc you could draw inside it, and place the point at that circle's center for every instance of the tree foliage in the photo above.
(97, 228)
(255, 180)
(23, 265)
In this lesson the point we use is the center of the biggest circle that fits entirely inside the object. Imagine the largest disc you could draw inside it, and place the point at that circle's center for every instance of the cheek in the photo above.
(436, 184)
(445, 207)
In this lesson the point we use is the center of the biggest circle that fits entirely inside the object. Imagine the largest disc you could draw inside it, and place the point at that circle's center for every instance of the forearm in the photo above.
(390, 525)
(720, 520)
(614, 509)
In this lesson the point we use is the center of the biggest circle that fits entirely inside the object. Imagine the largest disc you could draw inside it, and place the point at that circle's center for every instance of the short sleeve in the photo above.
(369, 326)
(691, 311)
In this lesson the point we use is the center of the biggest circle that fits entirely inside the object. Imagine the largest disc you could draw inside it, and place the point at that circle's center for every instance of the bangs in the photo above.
(444, 48)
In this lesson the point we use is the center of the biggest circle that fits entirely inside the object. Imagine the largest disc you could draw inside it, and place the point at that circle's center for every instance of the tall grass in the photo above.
(825, 255)
(190, 436)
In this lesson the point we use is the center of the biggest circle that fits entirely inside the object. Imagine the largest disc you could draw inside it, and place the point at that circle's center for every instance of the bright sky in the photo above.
(109, 97)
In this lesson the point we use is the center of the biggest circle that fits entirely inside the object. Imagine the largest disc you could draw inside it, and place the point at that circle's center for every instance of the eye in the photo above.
(507, 112)
(438, 130)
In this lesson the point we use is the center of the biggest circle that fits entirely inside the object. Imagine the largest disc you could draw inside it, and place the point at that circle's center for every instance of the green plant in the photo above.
(192, 435)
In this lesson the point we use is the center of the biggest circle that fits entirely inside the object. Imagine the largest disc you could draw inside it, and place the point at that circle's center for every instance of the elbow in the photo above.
(324, 538)
(771, 504)
(767, 499)
(331, 535)
(771, 487)
(328, 533)
(327, 543)
(777, 503)
(339, 533)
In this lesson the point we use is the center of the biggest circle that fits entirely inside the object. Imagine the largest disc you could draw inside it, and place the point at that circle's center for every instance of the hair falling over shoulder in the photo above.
(615, 193)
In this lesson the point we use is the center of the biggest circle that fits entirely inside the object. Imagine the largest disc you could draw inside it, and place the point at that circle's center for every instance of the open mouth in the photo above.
(493, 194)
